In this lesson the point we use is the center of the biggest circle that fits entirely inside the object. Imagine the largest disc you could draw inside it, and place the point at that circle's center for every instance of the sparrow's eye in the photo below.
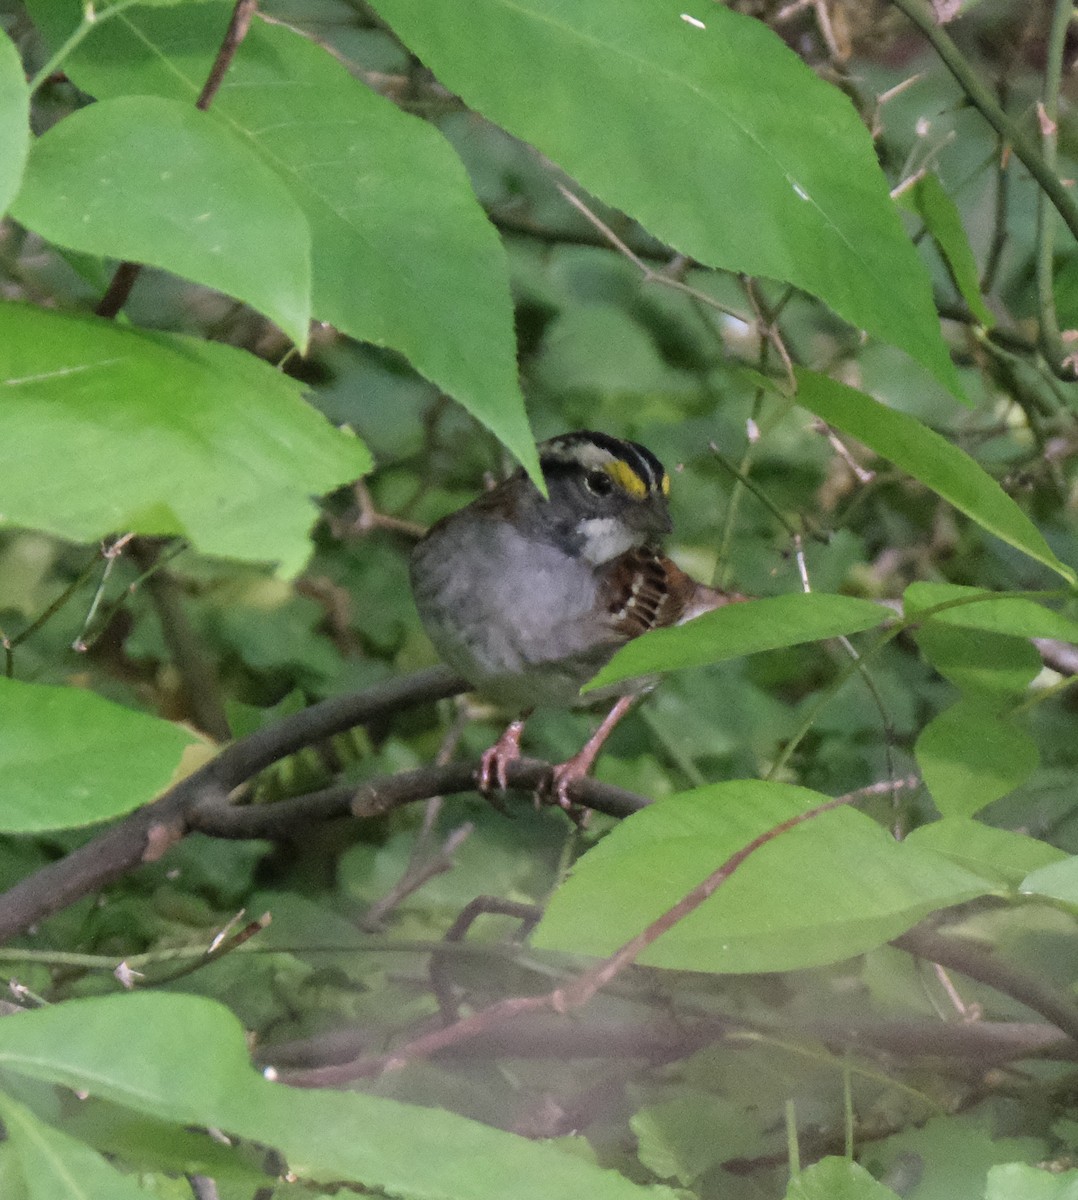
(598, 483)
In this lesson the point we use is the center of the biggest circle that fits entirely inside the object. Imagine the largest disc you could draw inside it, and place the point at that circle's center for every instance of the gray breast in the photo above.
(518, 621)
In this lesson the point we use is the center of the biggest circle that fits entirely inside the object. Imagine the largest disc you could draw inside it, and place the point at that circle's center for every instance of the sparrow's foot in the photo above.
(494, 765)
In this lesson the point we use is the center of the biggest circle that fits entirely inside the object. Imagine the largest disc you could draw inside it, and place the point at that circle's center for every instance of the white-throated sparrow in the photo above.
(528, 597)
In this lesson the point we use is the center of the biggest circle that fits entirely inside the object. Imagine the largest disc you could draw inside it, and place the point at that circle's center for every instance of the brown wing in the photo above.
(643, 589)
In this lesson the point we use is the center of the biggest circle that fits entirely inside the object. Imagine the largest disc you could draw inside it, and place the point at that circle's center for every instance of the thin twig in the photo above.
(123, 280)
(198, 675)
(230, 43)
(649, 273)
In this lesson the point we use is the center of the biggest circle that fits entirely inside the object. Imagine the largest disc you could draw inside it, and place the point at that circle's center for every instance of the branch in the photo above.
(378, 796)
(146, 834)
(961, 955)
(546, 1037)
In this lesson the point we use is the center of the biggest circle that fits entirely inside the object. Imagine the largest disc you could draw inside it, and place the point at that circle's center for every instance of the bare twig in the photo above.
(198, 675)
(649, 273)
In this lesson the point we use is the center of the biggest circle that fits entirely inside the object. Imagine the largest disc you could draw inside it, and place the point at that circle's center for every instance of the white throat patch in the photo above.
(605, 538)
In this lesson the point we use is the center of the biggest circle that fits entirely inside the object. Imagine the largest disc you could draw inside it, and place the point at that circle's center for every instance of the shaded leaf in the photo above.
(743, 628)
(742, 134)
(402, 254)
(991, 666)
(159, 182)
(69, 757)
(970, 756)
(837, 1179)
(184, 1059)
(942, 220)
(925, 455)
(865, 888)
(987, 851)
(159, 434)
(1017, 1181)
(1056, 880)
(685, 1136)
(14, 121)
(55, 1164)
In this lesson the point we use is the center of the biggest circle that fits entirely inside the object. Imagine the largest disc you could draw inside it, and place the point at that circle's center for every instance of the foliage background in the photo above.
(673, 227)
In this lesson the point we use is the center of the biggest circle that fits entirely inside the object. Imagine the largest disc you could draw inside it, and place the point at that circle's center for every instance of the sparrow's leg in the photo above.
(568, 772)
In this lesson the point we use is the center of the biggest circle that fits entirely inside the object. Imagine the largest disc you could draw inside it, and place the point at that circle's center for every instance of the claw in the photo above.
(494, 765)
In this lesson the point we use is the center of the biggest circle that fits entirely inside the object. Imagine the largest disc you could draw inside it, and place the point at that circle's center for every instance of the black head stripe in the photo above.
(554, 457)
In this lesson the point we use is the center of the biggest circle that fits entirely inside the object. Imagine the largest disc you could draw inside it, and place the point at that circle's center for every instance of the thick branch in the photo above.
(378, 796)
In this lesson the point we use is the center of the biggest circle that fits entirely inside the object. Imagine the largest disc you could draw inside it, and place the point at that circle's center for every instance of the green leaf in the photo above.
(402, 254)
(828, 889)
(922, 453)
(54, 1164)
(159, 434)
(14, 121)
(184, 1059)
(984, 850)
(743, 628)
(1017, 1181)
(941, 218)
(1016, 616)
(837, 1179)
(1056, 880)
(692, 1132)
(70, 758)
(159, 182)
(970, 756)
(707, 129)
(994, 667)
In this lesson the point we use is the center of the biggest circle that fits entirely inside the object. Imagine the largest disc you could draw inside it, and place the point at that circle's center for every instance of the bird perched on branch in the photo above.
(527, 597)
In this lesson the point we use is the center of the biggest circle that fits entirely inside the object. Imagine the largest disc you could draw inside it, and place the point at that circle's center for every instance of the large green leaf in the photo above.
(743, 628)
(55, 1165)
(922, 453)
(107, 429)
(402, 254)
(830, 888)
(14, 121)
(184, 1059)
(159, 182)
(969, 756)
(70, 758)
(706, 128)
